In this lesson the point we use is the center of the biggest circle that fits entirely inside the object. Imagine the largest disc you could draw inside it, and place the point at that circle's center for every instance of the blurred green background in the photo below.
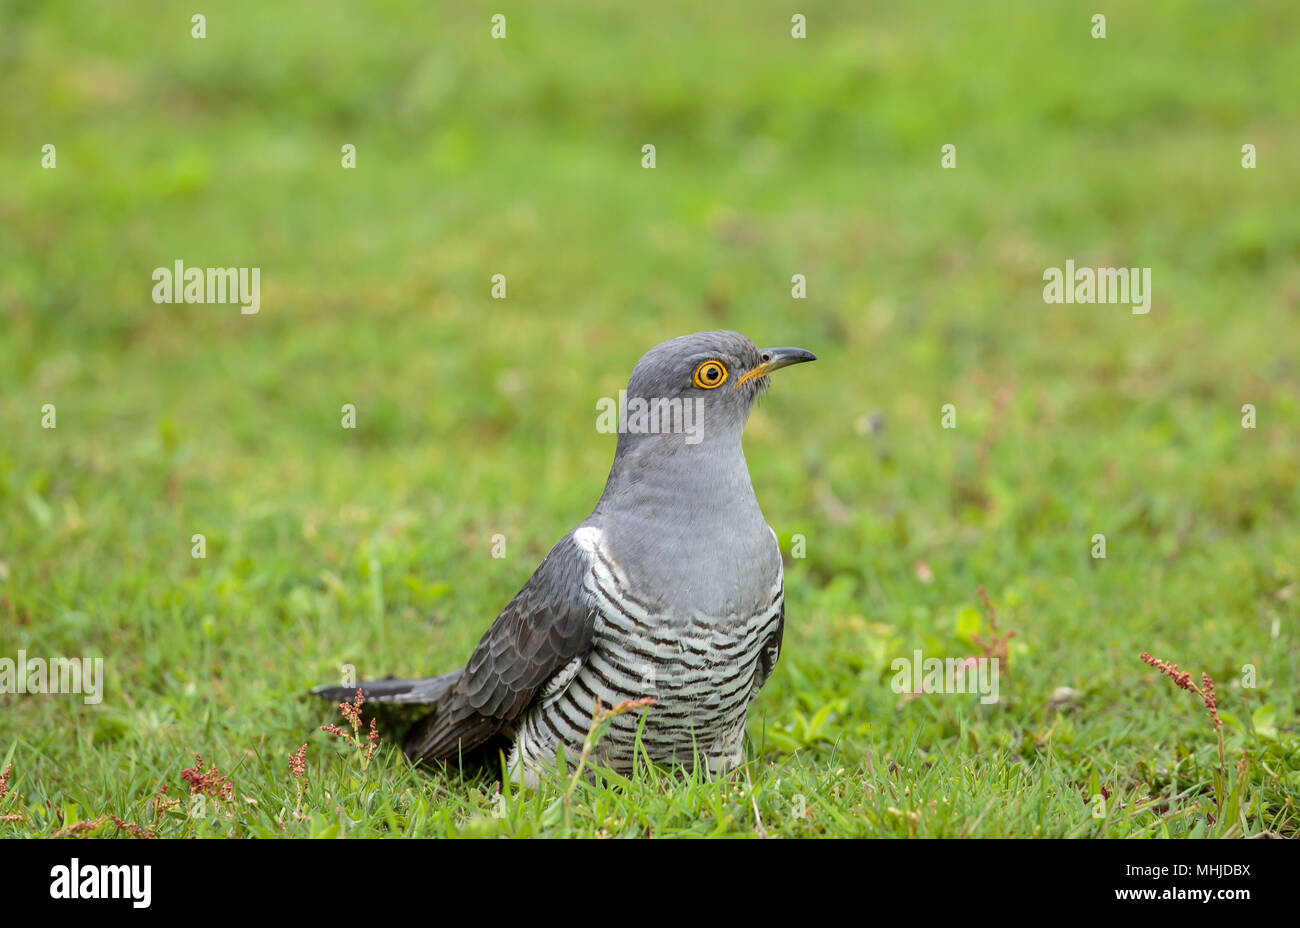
(476, 416)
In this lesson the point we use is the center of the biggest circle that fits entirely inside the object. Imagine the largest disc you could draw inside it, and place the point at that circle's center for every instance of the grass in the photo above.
(372, 547)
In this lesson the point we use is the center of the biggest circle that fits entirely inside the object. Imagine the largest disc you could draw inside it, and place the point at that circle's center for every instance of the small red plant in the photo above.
(351, 712)
(210, 782)
(1183, 680)
(998, 644)
(77, 828)
(4, 791)
(161, 804)
(131, 828)
(298, 767)
(85, 827)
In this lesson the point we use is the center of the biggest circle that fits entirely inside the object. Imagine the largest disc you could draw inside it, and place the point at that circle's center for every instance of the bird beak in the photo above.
(776, 358)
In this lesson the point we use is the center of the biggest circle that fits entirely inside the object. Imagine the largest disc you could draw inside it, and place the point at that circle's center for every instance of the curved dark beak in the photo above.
(773, 359)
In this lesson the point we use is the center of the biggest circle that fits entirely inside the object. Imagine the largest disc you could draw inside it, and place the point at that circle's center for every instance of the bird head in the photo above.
(700, 386)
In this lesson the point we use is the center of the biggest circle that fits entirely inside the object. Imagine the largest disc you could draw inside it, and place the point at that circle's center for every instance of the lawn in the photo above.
(475, 417)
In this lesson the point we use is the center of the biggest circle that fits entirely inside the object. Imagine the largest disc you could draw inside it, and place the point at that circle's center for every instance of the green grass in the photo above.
(372, 546)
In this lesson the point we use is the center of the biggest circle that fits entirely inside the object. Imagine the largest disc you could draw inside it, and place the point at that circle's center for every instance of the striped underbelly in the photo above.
(700, 674)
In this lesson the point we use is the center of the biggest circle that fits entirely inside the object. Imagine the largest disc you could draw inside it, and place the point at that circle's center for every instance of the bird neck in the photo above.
(686, 525)
(661, 471)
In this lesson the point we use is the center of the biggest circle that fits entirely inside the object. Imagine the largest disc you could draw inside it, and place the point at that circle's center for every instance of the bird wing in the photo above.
(767, 657)
(548, 624)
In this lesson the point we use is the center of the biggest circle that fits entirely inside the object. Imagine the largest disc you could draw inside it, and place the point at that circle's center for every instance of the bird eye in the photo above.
(710, 374)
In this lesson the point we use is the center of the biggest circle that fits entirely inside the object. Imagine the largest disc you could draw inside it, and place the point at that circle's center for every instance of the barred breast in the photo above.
(700, 670)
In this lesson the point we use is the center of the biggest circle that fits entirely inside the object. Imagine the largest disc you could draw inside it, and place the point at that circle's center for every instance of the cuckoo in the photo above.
(672, 590)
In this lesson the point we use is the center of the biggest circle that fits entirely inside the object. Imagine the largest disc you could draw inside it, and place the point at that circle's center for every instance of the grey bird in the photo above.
(671, 589)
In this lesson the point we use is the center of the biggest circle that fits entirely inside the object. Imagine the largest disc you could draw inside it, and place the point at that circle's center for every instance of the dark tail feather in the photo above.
(413, 692)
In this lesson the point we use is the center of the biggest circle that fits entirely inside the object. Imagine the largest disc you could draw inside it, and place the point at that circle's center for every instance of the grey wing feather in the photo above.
(548, 623)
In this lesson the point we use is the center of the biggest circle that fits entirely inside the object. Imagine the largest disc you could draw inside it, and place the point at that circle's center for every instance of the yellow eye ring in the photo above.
(710, 375)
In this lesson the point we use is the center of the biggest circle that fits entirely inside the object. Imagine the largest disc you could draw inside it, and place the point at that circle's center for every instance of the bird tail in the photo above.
(425, 691)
